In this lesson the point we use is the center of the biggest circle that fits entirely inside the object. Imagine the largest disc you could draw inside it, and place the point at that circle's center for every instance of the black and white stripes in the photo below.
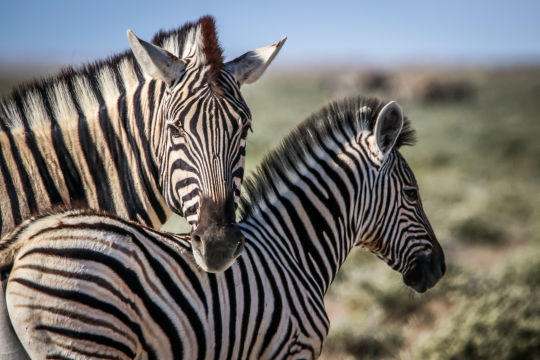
(90, 285)
(140, 134)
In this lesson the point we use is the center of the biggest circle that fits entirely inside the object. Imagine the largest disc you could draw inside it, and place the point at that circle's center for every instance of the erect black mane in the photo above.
(338, 116)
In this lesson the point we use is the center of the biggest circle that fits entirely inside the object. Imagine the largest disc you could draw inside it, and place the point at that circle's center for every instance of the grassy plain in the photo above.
(477, 161)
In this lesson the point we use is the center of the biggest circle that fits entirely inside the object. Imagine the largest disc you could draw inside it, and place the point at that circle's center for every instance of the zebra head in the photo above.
(396, 227)
(200, 131)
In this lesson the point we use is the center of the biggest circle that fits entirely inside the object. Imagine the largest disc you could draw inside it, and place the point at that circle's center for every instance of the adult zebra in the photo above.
(78, 289)
(162, 127)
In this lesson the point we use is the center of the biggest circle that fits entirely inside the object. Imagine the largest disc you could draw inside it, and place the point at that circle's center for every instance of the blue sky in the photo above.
(319, 32)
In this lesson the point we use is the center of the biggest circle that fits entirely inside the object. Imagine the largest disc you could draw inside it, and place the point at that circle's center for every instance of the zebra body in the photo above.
(88, 285)
(166, 307)
(158, 128)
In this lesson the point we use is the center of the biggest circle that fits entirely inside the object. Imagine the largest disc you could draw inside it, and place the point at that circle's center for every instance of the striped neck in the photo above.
(318, 184)
(93, 126)
(311, 212)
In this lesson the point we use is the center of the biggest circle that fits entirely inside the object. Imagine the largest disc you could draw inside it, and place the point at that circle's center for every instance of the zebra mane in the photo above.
(198, 40)
(343, 116)
(36, 102)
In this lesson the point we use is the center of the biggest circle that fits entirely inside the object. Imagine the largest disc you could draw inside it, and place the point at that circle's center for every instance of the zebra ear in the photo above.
(249, 67)
(388, 127)
(155, 62)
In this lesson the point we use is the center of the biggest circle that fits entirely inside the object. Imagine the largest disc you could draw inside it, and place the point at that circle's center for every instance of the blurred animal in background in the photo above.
(437, 91)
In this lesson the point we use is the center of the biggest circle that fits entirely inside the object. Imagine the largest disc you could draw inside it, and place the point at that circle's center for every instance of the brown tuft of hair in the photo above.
(211, 49)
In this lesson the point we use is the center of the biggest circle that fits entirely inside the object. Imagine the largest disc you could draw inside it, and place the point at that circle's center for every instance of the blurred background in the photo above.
(467, 74)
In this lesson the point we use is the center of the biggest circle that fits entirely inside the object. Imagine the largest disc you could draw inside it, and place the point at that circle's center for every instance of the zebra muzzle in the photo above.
(216, 248)
(217, 241)
(425, 271)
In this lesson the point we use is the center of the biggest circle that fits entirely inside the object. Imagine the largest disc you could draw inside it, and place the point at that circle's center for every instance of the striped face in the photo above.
(202, 144)
(398, 230)
(198, 136)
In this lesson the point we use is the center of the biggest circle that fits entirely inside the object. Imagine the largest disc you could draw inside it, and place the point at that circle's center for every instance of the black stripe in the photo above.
(69, 169)
(152, 177)
(10, 188)
(48, 182)
(277, 310)
(260, 297)
(216, 306)
(118, 156)
(87, 301)
(56, 357)
(229, 278)
(149, 154)
(194, 280)
(138, 71)
(78, 352)
(246, 292)
(25, 178)
(91, 155)
(98, 339)
(136, 209)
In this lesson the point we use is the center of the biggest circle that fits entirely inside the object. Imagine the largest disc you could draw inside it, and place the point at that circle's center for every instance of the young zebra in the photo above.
(157, 128)
(89, 285)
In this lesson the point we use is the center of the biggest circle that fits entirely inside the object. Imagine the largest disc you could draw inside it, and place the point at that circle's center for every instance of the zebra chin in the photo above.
(426, 270)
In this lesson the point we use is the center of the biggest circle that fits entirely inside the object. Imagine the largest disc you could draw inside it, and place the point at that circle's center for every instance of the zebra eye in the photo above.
(411, 194)
(175, 131)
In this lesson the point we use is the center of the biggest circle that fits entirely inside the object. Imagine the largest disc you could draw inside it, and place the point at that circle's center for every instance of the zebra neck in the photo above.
(307, 214)
(83, 139)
